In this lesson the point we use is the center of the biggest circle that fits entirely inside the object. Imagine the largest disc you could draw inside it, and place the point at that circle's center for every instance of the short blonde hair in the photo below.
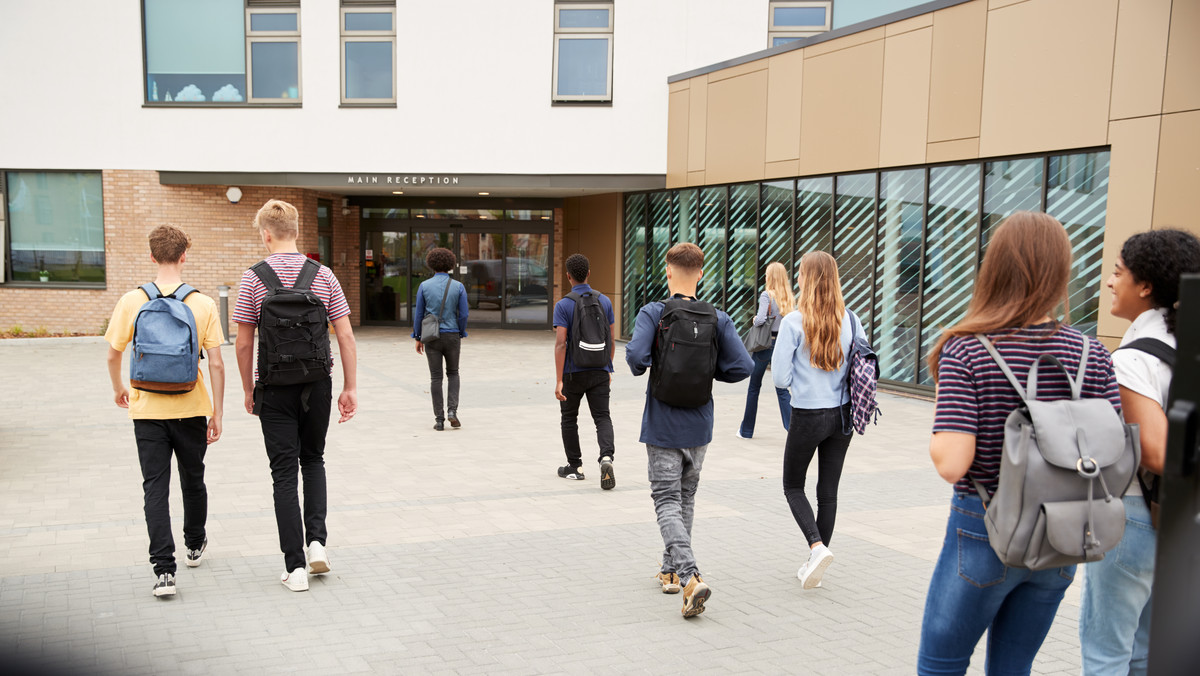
(280, 218)
(168, 244)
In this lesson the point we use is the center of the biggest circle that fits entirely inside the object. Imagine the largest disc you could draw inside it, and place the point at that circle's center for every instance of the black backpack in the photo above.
(685, 353)
(591, 335)
(1149, 481)
(293, 329)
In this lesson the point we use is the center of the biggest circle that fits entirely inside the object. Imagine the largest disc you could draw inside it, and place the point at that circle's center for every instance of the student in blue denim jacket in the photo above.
(677, 438)
(451, 330)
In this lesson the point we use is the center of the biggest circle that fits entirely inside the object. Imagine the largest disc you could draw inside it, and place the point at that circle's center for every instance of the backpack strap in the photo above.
(151, 290)
(987, 345)
(183, 291)
(308, 273)
(442, 309)
(267, 275)
(1153, 347)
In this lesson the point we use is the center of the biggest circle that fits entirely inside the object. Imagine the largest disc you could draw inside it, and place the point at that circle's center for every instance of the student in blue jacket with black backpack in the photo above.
(583, 352)
(686, 344)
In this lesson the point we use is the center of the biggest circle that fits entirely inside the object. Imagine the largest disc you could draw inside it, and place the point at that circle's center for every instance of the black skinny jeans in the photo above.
(819, 431)
(157, 441)
(595, 386)
(447, 348)
(294, 420)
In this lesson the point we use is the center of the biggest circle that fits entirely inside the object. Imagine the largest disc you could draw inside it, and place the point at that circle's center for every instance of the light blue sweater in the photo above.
(792, 369)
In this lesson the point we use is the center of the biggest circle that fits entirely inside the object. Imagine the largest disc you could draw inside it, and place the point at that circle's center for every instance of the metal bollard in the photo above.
(223, 294)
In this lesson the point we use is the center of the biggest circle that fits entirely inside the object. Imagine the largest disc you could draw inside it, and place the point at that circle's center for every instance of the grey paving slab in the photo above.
(457, 551)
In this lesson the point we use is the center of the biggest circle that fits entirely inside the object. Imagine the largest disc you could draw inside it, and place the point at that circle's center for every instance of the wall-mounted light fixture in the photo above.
(234, 194)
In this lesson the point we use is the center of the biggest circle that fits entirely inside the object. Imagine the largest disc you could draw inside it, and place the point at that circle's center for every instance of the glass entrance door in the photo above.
(386, 277)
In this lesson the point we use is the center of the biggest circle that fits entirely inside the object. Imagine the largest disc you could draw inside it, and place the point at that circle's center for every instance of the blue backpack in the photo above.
(166, 345)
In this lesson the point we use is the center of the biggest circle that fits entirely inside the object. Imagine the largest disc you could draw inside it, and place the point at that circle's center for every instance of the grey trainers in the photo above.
(194, 556)
(608, 480)
(165, 586)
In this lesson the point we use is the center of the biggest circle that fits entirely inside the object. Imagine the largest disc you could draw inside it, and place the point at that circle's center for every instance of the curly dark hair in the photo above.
(1159, 258)
(578, 267)
(440, 260)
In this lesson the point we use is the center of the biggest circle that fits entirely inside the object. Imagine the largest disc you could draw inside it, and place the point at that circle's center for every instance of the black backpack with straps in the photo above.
(1149, 481)
(293, 329)
(591, 335)
(684, 359)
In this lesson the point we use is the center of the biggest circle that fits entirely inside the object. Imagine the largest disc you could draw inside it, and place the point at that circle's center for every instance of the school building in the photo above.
(892, 133)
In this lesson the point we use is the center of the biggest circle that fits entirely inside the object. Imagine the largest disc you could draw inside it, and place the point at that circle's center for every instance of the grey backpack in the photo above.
(1065, 467)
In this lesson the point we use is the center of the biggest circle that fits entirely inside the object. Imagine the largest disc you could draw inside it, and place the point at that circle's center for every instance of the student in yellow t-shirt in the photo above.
(171, 424)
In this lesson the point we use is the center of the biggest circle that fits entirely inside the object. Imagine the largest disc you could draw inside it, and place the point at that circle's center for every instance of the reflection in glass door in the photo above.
(528, 278)
(479, 256)
(386, 276)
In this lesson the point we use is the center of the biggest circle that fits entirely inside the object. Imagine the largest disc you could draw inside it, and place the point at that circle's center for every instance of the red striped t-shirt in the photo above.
(974, 397)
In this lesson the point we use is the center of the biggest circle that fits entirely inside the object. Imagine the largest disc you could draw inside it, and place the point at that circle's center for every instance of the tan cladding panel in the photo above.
(1047, 77)
(677, 138)
(1130, 208)
(1176, 196)
(905, 98)
(737, 127)
(1182, 90)
(785, 82)
(593, 228)
(1140, 59)
(843, 94)
(697, 123)
(956, 71)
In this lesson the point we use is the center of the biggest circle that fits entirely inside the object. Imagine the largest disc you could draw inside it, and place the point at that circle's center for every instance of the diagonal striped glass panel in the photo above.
(1008, 186)
(898, 272)
(814, 217)
(950, 240)
(634, 268)
(1077, 195)
(775, 229)
(712, 241)
(743, 254)
(686, 215)
(854, 242)
(660, 241)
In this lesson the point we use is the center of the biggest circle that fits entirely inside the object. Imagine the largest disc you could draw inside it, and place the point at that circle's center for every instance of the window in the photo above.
(325, 232)
(789, 21)
(222, 51)
(368, 52)
(55, 226)
(583, 51)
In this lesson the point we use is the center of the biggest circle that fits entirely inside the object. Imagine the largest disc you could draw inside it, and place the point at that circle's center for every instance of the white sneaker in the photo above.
(818, 561)
(318, 560)
(800, 573)
(297, 580)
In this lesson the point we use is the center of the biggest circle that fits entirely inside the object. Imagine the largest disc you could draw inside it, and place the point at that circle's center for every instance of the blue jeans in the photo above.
(762, 359)
(1114, 617)
(972, 591)
(674, 478)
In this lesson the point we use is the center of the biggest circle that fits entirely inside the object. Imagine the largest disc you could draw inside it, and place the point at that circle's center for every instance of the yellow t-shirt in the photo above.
(150, 405)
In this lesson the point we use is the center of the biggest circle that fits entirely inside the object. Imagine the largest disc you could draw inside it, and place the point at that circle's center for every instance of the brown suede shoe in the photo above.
(669, 581)
(694, 596)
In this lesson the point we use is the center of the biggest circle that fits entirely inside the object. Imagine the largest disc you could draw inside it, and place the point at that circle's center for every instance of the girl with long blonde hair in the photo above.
(810, 361)
(773, 304)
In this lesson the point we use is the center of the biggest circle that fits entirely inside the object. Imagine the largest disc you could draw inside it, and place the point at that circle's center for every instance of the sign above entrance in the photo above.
(404, 179)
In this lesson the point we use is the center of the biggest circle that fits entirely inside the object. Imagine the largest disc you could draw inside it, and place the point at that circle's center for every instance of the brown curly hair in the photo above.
(440, 260)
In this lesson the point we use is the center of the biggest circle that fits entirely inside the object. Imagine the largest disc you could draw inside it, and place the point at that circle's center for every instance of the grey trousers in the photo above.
(446, 348)
(674, 478)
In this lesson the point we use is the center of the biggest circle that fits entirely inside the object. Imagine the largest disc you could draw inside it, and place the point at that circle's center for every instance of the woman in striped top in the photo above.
(1021, 283)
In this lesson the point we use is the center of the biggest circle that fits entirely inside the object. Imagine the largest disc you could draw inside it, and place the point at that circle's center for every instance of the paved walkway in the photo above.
(456, 551)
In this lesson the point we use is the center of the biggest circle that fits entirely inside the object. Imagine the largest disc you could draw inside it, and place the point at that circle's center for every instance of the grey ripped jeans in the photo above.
(674, 478)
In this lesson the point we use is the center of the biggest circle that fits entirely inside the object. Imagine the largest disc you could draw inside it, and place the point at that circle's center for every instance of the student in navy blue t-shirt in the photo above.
(573, 383)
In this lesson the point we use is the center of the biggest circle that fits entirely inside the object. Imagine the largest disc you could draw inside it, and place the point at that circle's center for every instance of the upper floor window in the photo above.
(368, 37)
(55, 227)
(791, 20)
(583, 51)
(222, 51)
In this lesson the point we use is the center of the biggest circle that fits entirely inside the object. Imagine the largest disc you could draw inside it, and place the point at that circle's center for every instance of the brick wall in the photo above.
(224, 243)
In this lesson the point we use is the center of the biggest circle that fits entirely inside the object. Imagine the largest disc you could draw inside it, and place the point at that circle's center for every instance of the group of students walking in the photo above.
(685, 344)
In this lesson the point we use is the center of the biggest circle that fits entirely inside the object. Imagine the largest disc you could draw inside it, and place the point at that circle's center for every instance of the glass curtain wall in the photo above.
(908, 242)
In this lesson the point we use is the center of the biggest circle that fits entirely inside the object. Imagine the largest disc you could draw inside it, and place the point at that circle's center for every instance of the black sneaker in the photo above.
(439, 425)
(195, 555)
(569, 472)
(453, 418)
(608, 480)
(165, 585)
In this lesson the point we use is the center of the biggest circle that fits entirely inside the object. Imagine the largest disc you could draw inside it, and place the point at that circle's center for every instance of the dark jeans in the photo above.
(595, 386)
(819, 431)
(294, 420)
(157, 440)
(446, 347)
(762, 359)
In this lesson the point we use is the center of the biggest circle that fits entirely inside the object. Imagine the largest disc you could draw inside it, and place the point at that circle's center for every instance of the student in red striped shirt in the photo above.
(295, 418)
(1021, 284)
